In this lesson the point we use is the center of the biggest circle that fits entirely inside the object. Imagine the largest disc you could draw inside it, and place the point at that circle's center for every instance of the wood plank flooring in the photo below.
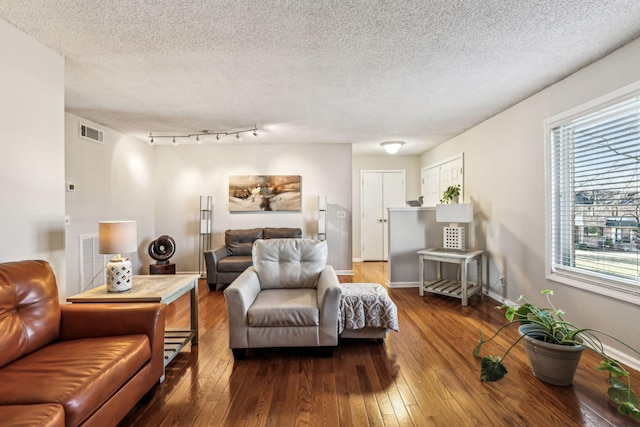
(423, 375)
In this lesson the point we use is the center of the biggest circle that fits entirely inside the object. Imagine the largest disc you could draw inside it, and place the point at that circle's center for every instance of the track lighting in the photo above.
(197, 135)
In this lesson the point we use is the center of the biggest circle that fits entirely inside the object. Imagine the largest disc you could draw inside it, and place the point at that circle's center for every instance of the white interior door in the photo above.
(436, 178)
(431, 186)
(372, 217)
(380, 189)
(393, 195)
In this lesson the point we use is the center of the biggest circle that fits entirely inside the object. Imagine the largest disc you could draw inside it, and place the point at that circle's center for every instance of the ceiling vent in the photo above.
(91, 134)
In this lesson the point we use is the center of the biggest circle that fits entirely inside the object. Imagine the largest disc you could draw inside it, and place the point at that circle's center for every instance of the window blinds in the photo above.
(595, 193)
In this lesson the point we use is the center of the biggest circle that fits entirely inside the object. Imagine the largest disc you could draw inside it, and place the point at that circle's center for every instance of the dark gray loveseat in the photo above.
(226, 262)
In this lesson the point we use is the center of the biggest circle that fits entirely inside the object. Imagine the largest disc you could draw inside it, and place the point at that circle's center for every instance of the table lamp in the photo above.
(118, 237)
(454, 213)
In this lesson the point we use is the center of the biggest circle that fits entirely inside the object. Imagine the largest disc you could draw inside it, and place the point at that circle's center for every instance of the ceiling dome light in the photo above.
(392, 147)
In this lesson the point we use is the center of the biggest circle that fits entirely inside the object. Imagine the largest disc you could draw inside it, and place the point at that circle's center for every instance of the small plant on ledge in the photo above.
(544, 330)
(451, 194)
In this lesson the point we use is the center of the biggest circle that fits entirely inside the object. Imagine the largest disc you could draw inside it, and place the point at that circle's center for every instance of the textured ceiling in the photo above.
(321, 71)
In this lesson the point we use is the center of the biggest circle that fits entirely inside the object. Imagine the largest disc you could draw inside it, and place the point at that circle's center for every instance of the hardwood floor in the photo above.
(423, 375)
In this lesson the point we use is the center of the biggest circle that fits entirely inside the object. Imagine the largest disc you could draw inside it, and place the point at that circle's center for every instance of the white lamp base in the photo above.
(453, 237)
(119, 272)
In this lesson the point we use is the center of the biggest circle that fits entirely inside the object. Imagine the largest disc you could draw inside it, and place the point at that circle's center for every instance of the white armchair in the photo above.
(290, 297)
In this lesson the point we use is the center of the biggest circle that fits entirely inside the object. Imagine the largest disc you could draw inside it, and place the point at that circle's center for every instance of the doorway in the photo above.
(380, 189)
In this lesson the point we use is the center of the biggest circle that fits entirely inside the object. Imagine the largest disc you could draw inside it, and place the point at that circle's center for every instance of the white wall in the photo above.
(113, 181)
(411, 166)
(184, 173)
(505, 180)
(32, 160)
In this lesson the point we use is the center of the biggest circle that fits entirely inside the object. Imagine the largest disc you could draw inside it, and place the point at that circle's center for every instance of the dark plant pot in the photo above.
(552, 363)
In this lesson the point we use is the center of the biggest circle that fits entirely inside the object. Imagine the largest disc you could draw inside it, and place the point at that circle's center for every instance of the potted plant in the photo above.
(451, 194)
(547, 328)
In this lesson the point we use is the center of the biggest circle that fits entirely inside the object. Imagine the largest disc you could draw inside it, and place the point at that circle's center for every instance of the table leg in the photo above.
(194, 313)
(421, 276)
(463, 281)
(480, 276)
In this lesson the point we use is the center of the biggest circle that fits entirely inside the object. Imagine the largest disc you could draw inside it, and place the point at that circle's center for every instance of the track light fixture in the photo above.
(197, 135)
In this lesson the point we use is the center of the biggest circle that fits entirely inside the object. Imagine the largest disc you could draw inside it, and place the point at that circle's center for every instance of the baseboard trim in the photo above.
(402, 284)
(357, 260)
(344, 272)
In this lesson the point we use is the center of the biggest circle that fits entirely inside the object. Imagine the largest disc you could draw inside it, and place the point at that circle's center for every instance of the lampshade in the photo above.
(454, 212)
(117, 237)
(392, 147)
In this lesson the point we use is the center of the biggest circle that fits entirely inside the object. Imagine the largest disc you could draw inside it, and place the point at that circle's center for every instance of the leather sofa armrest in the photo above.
(329, 293)
(239, 296)
(211, 259)
(90, 320)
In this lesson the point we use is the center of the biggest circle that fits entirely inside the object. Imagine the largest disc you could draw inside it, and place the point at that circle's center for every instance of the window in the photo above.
(593, 191)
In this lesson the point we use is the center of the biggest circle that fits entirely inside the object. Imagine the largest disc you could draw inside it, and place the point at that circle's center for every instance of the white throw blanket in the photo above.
(366, 305)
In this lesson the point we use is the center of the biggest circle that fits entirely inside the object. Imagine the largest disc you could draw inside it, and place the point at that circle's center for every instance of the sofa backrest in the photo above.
(282, 233)
(29, 308)
(240, 242)
(289, 263)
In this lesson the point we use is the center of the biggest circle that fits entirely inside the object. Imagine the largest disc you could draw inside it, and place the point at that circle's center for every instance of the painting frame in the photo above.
(265, 193)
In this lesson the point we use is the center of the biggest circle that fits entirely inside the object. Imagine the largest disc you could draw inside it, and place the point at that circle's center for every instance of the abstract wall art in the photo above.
(252, 193)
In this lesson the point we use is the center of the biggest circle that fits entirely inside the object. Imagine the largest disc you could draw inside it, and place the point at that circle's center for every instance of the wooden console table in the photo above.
(155, 288)
(462, 288)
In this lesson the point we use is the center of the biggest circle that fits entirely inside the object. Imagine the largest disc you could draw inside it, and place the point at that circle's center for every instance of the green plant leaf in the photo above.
(509, 313)
(523, 313)
(628, 408)
(614, 369)
(619, 391)
(492, 369)
(546, 292)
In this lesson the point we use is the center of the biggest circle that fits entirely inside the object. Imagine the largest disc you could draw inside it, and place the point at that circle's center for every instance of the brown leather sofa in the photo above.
(226, 262)
(72, 364)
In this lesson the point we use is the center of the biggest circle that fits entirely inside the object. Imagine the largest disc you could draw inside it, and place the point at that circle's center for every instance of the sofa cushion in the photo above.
(285, 307)
(239, 242)
(29, 308)
(41, 415)
(282, 233)
(65, 372)
(235, 264)
(289, 263)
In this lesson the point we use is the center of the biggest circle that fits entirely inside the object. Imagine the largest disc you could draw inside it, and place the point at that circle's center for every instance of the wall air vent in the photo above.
(91, 134)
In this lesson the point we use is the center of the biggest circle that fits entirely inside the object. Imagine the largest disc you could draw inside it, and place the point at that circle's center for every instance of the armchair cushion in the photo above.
(289, 263)
(285, 307)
